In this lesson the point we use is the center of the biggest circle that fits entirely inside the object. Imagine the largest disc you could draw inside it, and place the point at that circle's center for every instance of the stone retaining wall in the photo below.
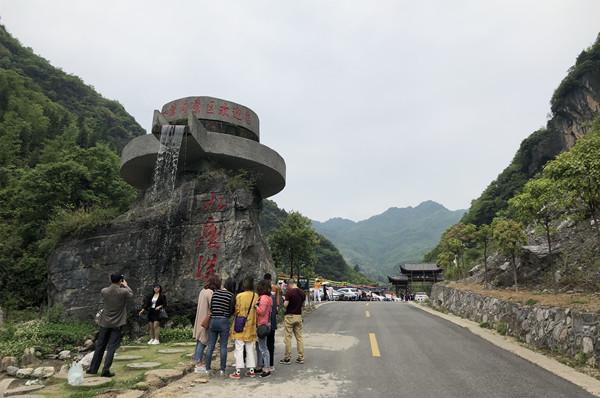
(566, 331)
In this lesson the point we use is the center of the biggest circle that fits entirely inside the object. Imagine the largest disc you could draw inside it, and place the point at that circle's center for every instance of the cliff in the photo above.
(575, 103)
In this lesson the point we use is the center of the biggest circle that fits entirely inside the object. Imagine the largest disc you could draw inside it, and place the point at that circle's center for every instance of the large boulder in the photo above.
(210, 224)
(6, 362)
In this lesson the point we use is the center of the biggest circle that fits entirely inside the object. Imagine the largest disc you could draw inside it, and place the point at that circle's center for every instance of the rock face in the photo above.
(209, 225)
(566, 331)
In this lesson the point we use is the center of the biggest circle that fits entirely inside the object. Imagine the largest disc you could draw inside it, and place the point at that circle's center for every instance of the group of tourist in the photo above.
(254, 313)
(248, 317)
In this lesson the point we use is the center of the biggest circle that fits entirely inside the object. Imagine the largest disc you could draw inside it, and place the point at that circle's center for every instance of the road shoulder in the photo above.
(584, 381)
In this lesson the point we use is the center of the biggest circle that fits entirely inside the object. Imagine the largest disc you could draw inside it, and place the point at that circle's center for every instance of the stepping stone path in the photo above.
(127, 357)
(190, 344)
(22, 390)
(94, 382)
(164, 374)
(143, 365)
(132, 347)
(172, 351)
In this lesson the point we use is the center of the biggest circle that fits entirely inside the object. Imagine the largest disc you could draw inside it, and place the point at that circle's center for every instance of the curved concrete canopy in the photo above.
(139, 155)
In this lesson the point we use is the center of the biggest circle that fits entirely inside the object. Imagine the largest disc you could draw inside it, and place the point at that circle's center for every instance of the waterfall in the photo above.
(165, 168)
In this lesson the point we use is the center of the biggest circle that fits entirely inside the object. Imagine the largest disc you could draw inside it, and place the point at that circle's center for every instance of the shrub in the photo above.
(502, 328)
(580, 358)
(47, 336)
(177, 334)
(485, 325)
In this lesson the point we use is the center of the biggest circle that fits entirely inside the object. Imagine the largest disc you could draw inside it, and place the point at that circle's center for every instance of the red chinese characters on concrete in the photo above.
(208, 242)
(199, 107)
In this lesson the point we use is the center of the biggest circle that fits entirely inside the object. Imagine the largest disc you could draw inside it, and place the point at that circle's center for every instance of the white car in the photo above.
(376, 297)
(421, 297)
(348, 293)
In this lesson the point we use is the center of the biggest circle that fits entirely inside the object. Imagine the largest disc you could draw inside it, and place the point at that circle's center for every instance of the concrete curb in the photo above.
(582, 380)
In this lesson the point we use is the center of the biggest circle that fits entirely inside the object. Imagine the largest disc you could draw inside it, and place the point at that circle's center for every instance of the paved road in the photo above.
(421, 356)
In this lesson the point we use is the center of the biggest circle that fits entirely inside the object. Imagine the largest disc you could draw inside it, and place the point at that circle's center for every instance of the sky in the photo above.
(372, 104)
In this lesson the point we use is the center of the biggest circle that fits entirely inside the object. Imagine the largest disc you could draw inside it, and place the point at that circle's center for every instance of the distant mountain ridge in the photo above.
(378, 244)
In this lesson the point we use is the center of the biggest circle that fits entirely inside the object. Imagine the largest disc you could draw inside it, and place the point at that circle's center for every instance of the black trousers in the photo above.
(271, 345)
(108, 340)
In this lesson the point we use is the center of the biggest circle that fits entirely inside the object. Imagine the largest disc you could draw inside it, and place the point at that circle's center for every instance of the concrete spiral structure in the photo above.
(217, 130)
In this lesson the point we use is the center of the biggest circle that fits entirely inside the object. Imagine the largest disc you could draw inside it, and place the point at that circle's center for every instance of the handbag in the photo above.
(162, 314)
(240, 321)
(263, 331)
(204, 323)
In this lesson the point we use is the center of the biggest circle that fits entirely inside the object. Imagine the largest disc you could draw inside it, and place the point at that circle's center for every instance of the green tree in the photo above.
(295, 242)
(509, 237)
(578, 172)
(484, 234)
(454, 242)
(541, 202)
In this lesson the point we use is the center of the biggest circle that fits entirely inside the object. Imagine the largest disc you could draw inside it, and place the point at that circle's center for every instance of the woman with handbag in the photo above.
(244, 329)
(263, 325)
(202, 320)
(155, 304)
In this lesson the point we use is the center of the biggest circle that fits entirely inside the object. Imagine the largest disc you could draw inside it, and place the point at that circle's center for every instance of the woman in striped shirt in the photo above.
(221, 309)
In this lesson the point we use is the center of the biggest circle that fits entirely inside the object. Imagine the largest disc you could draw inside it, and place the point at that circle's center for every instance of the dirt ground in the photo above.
(580, 301)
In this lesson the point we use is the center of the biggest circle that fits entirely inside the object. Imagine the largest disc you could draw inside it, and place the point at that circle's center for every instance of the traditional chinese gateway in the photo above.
(201, 219)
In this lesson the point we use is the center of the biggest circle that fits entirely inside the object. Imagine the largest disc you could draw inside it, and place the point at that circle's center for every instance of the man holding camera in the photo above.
(112, 318)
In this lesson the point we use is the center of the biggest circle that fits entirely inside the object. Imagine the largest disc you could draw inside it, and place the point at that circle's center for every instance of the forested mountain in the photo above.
(330, 263)
(377, 245)
(58, 164)
(575, 103)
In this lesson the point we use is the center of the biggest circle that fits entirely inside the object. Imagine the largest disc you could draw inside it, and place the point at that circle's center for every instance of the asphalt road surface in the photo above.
(387, 349)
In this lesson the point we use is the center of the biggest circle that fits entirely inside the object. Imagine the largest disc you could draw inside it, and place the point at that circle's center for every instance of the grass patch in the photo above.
(531, 302)
(502, 328)
(176, 335)
(485, 325)
(44, 335)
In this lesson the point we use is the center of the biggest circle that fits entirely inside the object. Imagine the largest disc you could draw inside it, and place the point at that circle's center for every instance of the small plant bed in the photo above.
(125, 378)
(581, 301)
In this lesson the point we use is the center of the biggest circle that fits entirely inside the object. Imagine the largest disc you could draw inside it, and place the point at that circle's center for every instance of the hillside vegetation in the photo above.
(398, 235)
(559, 249)
(58, 165)
(329, 263)
(572, 108)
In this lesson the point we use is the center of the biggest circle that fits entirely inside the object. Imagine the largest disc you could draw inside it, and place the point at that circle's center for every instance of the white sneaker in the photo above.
(156, 342)
(151, 341)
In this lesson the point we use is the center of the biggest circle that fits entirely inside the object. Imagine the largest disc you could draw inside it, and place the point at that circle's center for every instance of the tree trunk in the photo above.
(514, 264)
(547, 227)
(485, 266)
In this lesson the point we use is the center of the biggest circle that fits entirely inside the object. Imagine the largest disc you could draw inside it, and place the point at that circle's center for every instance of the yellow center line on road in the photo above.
(367, 314)
(374, 345)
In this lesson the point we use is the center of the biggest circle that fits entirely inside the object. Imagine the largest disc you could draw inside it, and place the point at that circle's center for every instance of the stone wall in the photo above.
(566, 331)
(209, 225)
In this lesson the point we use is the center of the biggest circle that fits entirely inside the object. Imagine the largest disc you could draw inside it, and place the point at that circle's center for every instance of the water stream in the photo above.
(165, 168)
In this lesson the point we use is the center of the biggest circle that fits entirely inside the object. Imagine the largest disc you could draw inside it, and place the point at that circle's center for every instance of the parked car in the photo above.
(376, 297)
(421, 297)
(348, 293)
(336, 295)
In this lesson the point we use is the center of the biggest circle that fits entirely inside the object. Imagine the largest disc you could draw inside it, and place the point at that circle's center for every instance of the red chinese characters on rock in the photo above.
(206, 268)
(208, 242)
(215, 203)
